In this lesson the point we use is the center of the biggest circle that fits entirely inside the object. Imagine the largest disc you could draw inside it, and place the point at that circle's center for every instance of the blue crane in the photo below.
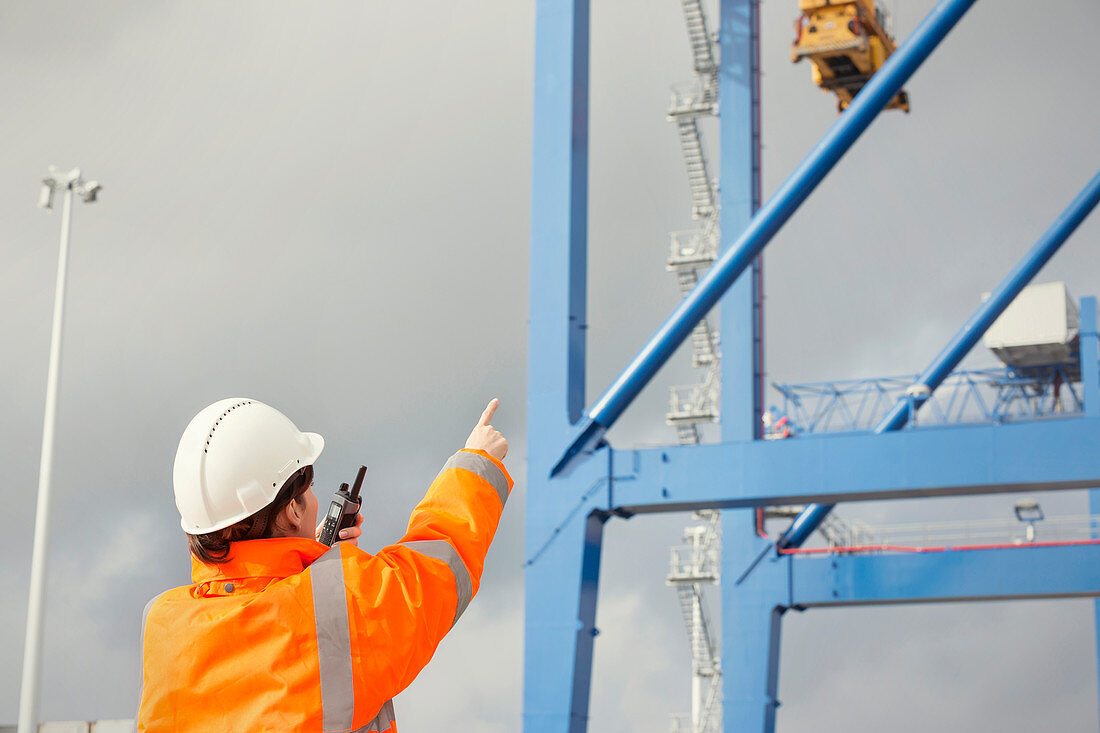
(577, 481)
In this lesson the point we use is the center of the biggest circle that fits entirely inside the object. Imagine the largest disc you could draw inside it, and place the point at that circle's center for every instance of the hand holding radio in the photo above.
(487, 438)
(348, 534)
(352, 534)
(342, 519)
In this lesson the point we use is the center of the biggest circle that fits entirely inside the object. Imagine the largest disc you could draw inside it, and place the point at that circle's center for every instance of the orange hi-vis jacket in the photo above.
(290, 635)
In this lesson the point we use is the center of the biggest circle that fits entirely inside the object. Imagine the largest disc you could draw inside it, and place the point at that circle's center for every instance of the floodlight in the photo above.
(89, 191)
(1028, 510)
(45, 197)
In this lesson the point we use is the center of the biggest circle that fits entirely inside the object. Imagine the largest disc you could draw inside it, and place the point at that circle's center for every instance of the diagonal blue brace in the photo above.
(764, 225)
(1026, 269)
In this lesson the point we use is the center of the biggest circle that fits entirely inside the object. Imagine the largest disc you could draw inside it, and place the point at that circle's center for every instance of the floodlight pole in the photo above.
(36, 610)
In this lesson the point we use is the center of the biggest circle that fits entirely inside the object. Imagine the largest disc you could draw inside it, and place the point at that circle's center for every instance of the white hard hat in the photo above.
(232, 460)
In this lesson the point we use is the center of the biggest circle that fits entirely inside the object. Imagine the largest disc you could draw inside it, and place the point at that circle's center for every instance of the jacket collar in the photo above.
(279, 557)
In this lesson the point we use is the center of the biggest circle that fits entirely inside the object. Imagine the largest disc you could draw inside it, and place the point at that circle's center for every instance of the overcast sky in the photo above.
(325, 206)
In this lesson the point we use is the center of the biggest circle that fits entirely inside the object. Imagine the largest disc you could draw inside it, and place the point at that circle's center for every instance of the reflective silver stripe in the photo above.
(483, 467)
(442, 550)
(382, 722)
(330, 609)
(141, 661)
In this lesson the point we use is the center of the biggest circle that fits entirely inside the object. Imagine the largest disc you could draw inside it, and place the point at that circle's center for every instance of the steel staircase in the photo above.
(704, 342)
(692, 567)
(702, 190)
(696, 566)
(702, 647)
(702, 47)
(687, 433)
(693, 252)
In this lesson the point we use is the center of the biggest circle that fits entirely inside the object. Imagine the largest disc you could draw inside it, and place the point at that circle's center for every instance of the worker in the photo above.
(280, 632)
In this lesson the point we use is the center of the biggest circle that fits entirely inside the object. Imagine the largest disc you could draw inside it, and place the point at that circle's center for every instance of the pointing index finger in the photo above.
(487, 416)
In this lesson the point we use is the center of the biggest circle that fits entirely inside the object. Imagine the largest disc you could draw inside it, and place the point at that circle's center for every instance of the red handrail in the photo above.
(943, 548)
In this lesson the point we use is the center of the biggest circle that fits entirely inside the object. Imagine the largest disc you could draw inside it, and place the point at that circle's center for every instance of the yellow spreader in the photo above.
(847, 42)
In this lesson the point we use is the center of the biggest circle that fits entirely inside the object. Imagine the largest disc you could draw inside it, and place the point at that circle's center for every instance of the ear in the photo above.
(292, 515)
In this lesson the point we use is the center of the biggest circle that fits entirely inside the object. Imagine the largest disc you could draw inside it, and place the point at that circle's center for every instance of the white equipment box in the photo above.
(1039, 328)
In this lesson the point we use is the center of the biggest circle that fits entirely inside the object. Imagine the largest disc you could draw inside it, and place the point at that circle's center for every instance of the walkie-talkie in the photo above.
(341, 512)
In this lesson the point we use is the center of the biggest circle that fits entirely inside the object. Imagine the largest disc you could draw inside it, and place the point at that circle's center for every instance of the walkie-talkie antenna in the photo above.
(358, 482)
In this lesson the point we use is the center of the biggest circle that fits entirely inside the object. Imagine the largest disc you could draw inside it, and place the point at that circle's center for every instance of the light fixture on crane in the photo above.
(1029, 512)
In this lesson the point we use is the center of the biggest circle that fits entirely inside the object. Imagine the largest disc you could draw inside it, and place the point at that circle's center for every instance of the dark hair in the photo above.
(213, 548)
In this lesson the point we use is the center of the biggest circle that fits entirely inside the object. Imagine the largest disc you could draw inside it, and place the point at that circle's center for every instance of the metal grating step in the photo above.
(702, 47)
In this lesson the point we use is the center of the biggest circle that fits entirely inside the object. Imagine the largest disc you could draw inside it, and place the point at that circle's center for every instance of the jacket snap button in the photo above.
(228, 587)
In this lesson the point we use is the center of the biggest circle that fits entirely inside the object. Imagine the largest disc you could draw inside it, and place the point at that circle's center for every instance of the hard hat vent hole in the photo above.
(219, 420)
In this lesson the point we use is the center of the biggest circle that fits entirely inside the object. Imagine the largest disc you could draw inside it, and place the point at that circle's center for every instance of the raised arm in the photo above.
(405, 599)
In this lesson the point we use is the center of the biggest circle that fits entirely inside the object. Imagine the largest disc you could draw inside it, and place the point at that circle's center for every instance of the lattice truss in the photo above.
(974, 396)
